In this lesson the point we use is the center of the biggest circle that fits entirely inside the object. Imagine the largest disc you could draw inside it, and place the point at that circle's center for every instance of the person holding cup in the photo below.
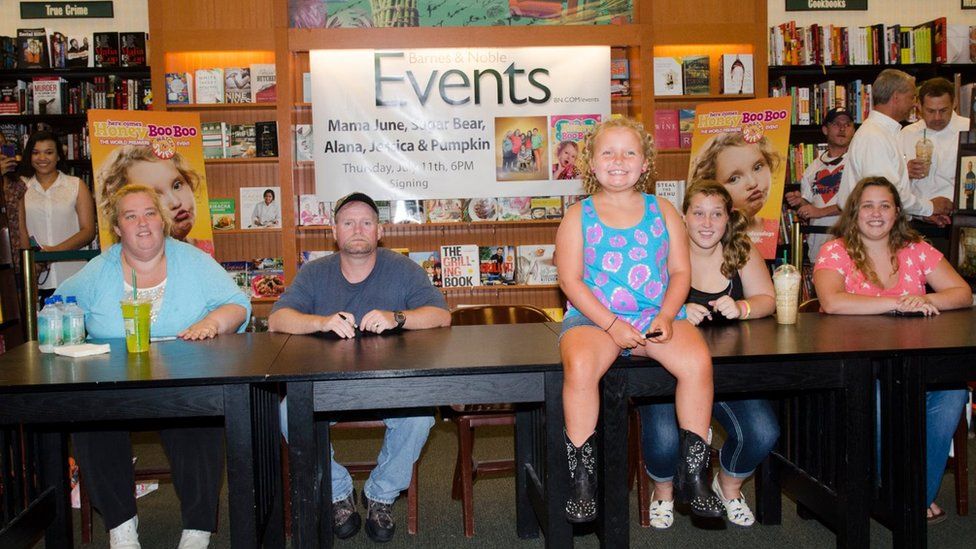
(729, 283)
(878, 264)
(191, 297)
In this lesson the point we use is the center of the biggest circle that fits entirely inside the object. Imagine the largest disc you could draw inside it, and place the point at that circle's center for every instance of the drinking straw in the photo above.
(134, 294)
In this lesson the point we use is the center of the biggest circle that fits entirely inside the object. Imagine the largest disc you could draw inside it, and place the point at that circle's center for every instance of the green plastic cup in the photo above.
(135, 317)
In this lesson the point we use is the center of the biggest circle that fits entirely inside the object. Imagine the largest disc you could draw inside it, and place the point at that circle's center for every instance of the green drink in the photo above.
(135, 317)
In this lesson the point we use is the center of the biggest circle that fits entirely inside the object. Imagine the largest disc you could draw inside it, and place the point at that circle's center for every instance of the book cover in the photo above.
(237, 85)
(242, 142)
(312, 255)
(672, 191)
(686, 127)
(59, 50)
(571, 199)
(78, 54)
(497, 266)
(737, 74)
(385, 211)
(460, 266)
(222, 214)
(666, 129)
(32, 44)
(444, 210)
(106, 49)
(10, 97)
(546, 207)
(268, 283)
(957, 45)
(431, 263)
(314, 210)
(303, 143)
(535, 266)
(406, 211)
(264, 83)
(132, 49)
(967, 252)
(214, 136)
(667, 76)
(567, 133)
(619, 68)
(266, 138)
(209, 85)
(696, 74)
(240, 273)
(259, 207)
(480, 209)
(179, 88)
(47, 94)
(514, 208)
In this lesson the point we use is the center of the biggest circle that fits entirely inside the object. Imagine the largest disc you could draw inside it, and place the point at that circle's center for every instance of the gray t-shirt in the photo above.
(396, 284)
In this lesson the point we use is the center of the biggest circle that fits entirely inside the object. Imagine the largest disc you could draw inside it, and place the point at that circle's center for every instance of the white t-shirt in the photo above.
(820, 186)
(266, 215)
(51, 219)
(941, 180)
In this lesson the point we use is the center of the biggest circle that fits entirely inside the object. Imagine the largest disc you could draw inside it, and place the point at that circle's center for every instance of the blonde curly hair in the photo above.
(645, 183)
(902, 234)
(114, 171)
(705, 165)
(735, 242)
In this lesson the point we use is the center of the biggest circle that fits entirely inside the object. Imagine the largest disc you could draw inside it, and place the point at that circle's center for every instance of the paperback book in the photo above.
(672, 191)
(667, 76)
(480, 209)
(106, 49)
(132, 49)
(497, 265)
(514, 208)
(47, 94)
(696, 74)
(209, 85)
(78, 55)
(179, 88)
(303, 142)
(314, 210)
(266, 139)
(264, 83)
(32, 44)
(431, 263)
(460, 266)
(260, 208)
(215, 137)
(737, 74)
(237, 85)
(242, 142)
(666, 135)
(59, 50)
(444, 210)
(535, 265)
(222, 214)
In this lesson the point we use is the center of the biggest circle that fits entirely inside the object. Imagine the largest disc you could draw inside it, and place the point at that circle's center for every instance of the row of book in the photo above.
(811, 102)
(74, 144)
(256, 83)
(258, 278)
(224, 140)
(38, 49)
(691, 75)
(619, 77)
(673, 128)
(799, 157)
(470, 265)
(930, 42)
(55, 95)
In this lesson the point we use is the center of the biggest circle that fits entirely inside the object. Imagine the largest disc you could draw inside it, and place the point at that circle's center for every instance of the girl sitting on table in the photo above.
(878, 264)
(729, 283)
(622, 259)
(192, 298)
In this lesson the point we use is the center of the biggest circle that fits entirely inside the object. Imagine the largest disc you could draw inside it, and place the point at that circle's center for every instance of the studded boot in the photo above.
(691, 482)
(581, 505)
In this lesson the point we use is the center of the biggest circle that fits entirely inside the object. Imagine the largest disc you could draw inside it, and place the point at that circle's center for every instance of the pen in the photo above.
(343, 317)
(166, 338)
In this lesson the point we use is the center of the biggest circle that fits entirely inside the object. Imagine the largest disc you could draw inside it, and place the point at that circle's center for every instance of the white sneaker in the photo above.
(662, 513)
(125, 535)
(194, 539)
(736, 510)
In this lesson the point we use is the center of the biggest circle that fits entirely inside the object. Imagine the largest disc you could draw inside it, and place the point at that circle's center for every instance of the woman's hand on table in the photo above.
(697, 313)
(727, 307)
(205, 329)
(916, 303)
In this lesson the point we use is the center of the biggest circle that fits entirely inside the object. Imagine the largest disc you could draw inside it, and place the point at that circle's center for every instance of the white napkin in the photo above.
(85, 349)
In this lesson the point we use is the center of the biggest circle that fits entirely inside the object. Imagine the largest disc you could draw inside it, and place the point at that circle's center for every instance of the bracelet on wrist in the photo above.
(607, 329)
(748, 312)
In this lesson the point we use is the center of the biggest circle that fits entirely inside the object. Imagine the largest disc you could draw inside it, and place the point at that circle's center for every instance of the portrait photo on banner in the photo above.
(161, 150)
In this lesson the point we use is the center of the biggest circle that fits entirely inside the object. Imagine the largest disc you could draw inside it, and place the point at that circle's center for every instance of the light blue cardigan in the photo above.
(195, 285)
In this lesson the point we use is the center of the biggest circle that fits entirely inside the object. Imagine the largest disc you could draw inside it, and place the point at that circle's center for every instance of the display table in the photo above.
(223, 377)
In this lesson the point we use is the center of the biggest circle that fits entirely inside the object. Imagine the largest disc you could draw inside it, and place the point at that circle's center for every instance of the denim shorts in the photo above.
(577, 320)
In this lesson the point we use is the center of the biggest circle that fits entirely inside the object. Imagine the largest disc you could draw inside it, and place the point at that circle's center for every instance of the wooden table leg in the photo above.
(302, 463)
(613, 496)
(559, 532)
(53, 464)
(241, 481)
(853, 454)
(527, 429)
(906, 432)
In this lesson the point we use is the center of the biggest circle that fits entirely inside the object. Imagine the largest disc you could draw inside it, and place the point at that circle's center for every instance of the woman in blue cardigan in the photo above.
(192, 298)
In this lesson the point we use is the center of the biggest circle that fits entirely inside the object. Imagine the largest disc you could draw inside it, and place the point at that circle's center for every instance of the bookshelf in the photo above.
(226, 27)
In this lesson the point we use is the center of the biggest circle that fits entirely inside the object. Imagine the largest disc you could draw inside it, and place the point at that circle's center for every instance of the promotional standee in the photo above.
(162, 150)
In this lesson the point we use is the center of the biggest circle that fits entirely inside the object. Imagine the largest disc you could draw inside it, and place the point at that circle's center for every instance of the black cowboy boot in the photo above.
(581, 505)
(691, 482)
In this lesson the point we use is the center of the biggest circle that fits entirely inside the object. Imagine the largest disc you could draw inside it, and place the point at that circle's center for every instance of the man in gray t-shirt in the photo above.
(375, 290)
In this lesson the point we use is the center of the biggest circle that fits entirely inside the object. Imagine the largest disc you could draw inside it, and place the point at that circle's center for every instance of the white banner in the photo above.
(454, 123)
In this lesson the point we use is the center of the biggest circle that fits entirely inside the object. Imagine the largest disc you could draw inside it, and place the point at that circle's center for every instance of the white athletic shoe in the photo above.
(662, 513)
(737, 510)
(194, 539)
(125, 535)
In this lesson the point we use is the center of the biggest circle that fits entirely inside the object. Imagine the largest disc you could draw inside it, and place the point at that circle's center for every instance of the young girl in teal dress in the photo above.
(623, 262)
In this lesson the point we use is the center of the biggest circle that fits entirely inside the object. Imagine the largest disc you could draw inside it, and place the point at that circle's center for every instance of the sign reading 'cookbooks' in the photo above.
(454, 123)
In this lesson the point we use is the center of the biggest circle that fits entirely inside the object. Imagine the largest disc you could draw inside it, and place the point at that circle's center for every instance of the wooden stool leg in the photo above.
(456, 484)
(961, 468)
(466, 455)
(413, 502)
(86, 514)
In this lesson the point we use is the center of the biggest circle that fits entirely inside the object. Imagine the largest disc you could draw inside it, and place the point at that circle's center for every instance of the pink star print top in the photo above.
(915, 261)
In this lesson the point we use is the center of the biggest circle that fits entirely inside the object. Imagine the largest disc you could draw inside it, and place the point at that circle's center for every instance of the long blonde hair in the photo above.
(901, 235)
(644, 183)
(735, 242)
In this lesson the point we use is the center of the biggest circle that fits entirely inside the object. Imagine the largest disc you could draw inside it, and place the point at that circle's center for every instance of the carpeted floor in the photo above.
(440, 517)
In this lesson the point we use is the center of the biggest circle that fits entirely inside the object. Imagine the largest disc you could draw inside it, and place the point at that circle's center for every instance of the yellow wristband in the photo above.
(748, 309)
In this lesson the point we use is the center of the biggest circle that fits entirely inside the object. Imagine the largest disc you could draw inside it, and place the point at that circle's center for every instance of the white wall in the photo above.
(889, 12)
(130, 16)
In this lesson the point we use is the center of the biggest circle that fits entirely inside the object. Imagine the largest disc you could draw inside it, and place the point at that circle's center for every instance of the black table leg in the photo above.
(53, 462)
(613, 524)
(559, 532)
(241, 481)
(526, 435)
(769, 494)
(907, 452)
(323, 474)
(302, 457)
(853, 455)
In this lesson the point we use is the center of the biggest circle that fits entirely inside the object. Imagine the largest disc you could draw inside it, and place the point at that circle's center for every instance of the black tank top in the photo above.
(734, 290)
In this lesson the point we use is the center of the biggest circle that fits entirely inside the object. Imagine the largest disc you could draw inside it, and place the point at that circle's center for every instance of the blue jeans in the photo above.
(751, 426)
(404, 439)
(942, 412)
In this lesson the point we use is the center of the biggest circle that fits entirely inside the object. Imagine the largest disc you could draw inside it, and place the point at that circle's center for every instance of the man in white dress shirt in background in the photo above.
(876, 148)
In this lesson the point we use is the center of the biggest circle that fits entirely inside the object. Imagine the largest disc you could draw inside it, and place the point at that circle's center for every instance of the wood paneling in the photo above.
(208, 15)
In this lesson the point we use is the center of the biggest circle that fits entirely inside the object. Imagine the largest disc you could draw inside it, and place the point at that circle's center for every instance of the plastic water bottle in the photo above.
(49, 326)
(73, 322)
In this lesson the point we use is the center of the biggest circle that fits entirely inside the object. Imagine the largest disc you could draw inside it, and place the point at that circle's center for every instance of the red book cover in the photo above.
(666, 129)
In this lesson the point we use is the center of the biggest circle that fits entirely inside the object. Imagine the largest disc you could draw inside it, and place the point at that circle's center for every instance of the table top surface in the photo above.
(461, 350)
